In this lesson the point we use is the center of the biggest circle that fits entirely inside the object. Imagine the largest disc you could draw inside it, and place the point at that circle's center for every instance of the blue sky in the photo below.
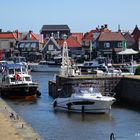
(80, 15)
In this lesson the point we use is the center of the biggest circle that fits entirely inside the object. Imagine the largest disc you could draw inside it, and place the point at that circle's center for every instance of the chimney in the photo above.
(16, 31)
(119, 28)
(58, 35)
(102, 26)
(0, 30)
(106, 26)
(30, 31)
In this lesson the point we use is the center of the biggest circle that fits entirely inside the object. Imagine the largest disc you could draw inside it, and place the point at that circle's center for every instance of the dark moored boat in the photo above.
(17, 82)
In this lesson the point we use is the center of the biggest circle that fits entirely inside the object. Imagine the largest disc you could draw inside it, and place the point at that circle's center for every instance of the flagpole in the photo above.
(90, 49)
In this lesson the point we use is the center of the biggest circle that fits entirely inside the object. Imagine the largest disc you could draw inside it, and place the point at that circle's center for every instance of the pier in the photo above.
(13, 127)
(126, 88)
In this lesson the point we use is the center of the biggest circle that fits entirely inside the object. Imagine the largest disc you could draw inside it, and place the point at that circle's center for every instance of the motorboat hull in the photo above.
(45, 68)
(84, 105)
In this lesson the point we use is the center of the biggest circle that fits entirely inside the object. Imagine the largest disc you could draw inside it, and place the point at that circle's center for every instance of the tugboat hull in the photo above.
(19, 90)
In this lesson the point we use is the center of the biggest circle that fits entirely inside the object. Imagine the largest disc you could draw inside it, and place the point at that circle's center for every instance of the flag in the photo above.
(123, 45)
(17, 76)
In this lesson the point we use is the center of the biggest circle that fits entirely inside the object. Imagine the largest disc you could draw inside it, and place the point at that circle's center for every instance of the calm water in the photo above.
(123, 121)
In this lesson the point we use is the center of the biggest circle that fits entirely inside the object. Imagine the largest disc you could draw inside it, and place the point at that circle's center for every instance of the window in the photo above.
(50, 47)
(11, 44)
(33, 45)
(27, 45)
(47, 36)
(21, 45)
(106, 45)
(27, 79)
(119, 44)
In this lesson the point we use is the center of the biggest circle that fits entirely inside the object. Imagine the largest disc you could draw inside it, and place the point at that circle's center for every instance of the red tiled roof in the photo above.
(30, 36)
(60, 42)
(111, 36)
(78, 36)
(89, 35)
(9, 35)
(71, 42)
(40, 38)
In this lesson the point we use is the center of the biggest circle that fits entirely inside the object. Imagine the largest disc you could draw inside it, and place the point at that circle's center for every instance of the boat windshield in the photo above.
(17, 70)
(27, 79)
(86, 90)
(11, 71)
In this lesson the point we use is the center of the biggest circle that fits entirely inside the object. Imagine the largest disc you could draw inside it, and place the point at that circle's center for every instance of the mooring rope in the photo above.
(112, 137)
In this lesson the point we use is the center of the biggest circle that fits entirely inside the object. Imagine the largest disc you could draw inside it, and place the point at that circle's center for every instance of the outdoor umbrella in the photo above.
(128, 52)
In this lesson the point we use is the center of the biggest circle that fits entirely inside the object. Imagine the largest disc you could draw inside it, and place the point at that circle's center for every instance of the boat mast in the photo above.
(66, 65)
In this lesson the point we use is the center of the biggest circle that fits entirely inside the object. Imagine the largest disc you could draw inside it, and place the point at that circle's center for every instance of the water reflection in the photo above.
(90, 117)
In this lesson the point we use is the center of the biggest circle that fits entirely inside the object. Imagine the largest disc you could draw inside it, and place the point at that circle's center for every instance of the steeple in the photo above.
(136, 30)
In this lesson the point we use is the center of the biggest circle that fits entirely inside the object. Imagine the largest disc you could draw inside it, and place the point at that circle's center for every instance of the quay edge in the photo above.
(24, 130)
(126, 88)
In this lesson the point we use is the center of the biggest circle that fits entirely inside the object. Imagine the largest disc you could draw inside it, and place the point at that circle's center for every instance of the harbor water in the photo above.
(122, 120)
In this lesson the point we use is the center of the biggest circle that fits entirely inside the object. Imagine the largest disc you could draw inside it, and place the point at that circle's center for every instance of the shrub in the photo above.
(137, 71)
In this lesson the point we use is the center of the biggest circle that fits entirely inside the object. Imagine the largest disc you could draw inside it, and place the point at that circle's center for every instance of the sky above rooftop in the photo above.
(79, 15)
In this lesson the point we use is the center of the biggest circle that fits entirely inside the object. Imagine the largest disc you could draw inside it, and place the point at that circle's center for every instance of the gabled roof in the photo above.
(136, 33)
(71, 42)
(55, 27)
(9, 35)
(89, 35)
(128, 37)
(136, 30)
(30, 36)
(111, 36)
(54, 41)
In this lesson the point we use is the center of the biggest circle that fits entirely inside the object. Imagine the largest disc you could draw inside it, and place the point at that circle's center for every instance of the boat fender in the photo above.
(38, 93)
(83, 109)
(69, 106)
(54, 104)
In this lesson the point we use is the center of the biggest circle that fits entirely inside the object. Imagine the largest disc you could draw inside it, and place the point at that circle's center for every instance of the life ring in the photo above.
(55, 104)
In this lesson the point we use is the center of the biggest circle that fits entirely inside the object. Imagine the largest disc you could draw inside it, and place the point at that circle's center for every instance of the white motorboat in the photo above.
(16, 82)
(45, 66)
(87, 99)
